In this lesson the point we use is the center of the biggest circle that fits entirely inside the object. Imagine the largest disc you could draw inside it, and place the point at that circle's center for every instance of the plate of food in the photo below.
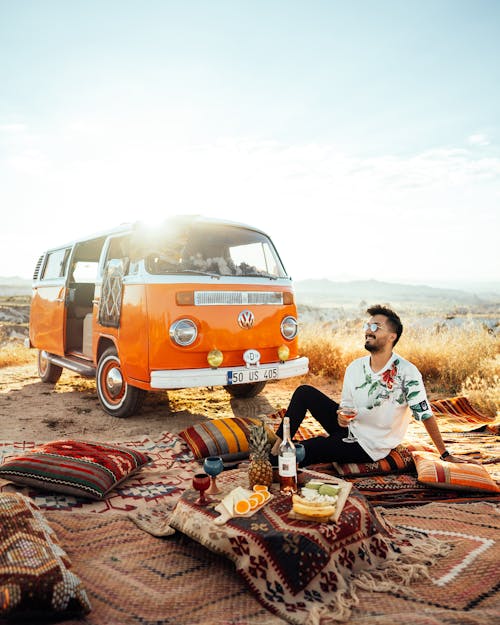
(320, 501)
(242, 502)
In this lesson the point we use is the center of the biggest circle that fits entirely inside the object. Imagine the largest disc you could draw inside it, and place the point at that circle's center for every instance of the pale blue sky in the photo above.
(364, 136)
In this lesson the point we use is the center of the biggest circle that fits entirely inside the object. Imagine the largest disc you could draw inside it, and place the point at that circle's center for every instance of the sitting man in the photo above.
(385, 390)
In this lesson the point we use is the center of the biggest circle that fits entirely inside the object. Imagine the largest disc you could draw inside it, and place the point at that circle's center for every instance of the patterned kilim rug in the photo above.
(133, 578)
(457, 414)
(463, 587)
(404, 489)
(158, 484)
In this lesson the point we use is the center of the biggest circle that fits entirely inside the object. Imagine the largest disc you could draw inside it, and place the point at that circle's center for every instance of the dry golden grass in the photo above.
(460, 360)
(456, 360)
(12, 354)
(484, 389)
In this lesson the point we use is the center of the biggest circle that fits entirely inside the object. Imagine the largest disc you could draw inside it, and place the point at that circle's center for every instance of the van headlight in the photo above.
(289, 327)
(183, 332)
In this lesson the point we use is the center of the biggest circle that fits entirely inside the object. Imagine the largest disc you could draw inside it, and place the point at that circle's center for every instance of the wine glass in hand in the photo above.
(213, 465)
(348, 411)
(201, 481)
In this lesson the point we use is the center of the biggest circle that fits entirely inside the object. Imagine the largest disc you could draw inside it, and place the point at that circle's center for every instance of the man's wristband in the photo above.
(445, 454)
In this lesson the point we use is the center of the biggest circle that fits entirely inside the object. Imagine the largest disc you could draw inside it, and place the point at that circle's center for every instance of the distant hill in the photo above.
(324, 293)
(355, 293)
(14, 285)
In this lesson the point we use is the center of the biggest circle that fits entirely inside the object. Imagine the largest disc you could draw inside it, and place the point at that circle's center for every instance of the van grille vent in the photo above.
(37, 268)
(237, 298)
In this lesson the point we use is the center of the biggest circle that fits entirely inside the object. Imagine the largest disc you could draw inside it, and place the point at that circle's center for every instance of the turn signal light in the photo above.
(184, 298)
(283, 353)
(215, 358)
(288, 298)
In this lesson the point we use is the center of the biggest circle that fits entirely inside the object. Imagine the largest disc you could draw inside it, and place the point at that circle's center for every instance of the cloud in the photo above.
(479, 139)
(317, 202)
(12, 128)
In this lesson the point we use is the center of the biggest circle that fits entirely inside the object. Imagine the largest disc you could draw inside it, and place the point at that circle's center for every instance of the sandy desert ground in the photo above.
(34, 411)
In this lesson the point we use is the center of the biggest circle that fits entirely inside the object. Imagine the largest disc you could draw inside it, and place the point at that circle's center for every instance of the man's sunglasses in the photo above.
(371, 326)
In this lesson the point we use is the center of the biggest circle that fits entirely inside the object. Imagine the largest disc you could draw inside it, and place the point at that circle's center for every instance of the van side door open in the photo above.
(49, 302)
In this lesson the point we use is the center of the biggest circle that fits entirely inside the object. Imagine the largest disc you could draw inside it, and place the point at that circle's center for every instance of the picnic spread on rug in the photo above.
(301, 572)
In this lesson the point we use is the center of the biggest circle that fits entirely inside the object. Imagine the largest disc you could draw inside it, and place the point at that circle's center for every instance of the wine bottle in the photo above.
(287, 462)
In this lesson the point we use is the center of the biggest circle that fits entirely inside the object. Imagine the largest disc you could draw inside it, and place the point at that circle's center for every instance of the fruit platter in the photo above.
(320, 501)
(242, 502)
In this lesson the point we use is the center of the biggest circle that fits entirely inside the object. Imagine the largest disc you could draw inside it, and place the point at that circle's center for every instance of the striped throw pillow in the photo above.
(227, 437)
(433, 471)
(74, 467)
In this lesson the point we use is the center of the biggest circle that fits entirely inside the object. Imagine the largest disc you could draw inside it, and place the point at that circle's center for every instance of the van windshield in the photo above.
(220, 250)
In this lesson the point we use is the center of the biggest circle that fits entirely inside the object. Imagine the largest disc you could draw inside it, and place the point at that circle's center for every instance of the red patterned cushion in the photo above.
(399, 460)
(73, 467)
(35, 576)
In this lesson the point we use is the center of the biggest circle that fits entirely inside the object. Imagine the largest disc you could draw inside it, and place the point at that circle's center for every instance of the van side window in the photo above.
(119, 248)
(85, 271)
(55, 266)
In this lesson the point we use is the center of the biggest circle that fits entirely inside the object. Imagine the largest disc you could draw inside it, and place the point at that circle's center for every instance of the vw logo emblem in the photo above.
(246, 319)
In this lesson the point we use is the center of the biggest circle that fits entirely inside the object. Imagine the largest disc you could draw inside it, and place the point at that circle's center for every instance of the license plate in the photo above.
(247, 376)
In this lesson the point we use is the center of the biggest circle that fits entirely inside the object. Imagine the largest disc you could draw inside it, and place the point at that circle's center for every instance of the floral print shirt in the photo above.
(385, 401)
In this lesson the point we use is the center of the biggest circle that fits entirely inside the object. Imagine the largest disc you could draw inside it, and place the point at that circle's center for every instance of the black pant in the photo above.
(320, 448)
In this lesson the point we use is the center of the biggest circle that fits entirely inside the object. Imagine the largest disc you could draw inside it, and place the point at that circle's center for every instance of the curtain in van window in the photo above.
(110, 305)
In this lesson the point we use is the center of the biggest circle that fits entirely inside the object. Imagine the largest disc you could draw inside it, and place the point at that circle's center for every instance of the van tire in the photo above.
(122, 401)
(241, 391)
(48, 372)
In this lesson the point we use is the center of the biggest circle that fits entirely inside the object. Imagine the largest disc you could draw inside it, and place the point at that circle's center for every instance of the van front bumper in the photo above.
(190, 378)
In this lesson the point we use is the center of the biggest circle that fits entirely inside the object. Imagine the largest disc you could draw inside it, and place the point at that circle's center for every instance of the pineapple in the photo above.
(260, 470)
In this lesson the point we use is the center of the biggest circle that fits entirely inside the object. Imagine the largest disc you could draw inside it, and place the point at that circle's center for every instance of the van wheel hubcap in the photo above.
(114, 382)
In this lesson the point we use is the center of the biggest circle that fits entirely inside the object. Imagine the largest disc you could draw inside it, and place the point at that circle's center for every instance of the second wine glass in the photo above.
(213, 465)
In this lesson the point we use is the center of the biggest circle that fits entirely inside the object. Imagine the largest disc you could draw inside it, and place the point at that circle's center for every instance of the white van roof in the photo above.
(130, 226)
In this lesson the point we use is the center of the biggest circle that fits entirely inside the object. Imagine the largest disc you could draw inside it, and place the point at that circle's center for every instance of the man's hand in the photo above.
(462, 459)
(342, 419)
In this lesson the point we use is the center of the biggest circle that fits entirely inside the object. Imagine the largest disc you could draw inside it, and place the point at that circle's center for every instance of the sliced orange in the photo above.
(254, 501)
(259, 497)
(266, 494)
(242, 506)
(260, 488)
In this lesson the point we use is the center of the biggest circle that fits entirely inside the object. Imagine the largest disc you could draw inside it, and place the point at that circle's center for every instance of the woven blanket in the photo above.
(456, 414)
(157, 485)
(405, 489)
(132, 577)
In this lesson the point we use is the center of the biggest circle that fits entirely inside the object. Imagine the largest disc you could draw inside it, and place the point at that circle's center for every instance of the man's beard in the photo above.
(371, 347)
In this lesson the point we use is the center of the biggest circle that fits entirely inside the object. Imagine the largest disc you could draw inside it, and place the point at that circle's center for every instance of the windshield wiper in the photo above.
(258, 275)
(196, 272)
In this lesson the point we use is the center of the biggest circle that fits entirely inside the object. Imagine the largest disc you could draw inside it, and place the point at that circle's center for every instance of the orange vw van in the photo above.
(194, 302)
